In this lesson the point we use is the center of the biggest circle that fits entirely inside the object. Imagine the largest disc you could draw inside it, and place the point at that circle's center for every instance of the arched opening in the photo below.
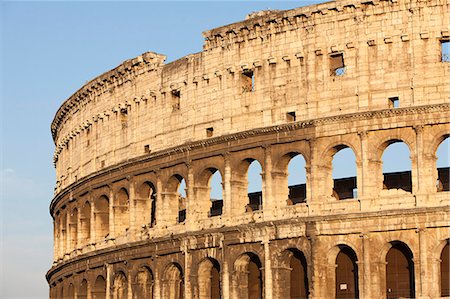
(399, 271)
(299, 288)
(146, 202)
(175, 200)
(121, 212)
(443, 165)
(346, 274)
(101, 206)
(297, 180)
(209, 279)
(82, 290)
(216, 193)
(254, 186)
(99, 290)
(120, 286)
(397, 166)
(173, 284)
(71, 292)
(182, 201)
(73, 229)
(85, 223)
(445, 265)
(143, 284)
(248, 277)
(344, 173)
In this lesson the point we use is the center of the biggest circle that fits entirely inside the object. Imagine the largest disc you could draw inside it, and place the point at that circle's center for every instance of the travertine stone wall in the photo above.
(308, 81)
(390, 49)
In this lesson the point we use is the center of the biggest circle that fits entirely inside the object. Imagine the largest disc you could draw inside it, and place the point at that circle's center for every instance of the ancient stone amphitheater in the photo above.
(308, 82)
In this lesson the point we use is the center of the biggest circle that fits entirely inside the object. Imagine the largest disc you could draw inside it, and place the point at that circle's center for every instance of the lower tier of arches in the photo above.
(371, 255)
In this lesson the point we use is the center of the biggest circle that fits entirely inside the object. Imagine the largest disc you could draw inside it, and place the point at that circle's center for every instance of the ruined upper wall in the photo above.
(389, 49)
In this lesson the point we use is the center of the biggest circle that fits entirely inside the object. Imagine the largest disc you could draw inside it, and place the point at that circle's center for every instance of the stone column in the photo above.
(423, 264)
(268, 288)
(159, 201)
(417, 175)
(79, 233)
(191, 213)
(132, 208)
(111, 215)
(130, 286)
(268, 201)
(187, 270)
(93, 233)
(225, 280)
(157, 286)
(108, 281)
(227, 187)
(367, 281)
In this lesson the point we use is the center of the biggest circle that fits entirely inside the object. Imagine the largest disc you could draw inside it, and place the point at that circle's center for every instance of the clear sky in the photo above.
(49, 50)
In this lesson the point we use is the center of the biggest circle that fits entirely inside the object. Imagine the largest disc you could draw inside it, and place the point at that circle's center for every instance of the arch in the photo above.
(146, 204)
(83, 290)
(399, 271)
(346, 273)
(99, 289)
(71, 291)
(173, 283)
(248, 283)
(344, 172)
(397, 166)
(444, 270)
(101, 208)
(209, 193)
(120, 286)
(296, 181)
(85, 223)
(209, 279)
(443, 165)
(73, 229)
(254, 186)
(296, 282)
(143, 284)
(175, 198)
(121, 212)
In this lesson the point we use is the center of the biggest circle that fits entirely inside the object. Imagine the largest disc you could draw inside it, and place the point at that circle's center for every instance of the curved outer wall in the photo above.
(126, 138)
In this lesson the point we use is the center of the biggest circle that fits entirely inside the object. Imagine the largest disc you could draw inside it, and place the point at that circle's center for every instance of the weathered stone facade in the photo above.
(308, 81)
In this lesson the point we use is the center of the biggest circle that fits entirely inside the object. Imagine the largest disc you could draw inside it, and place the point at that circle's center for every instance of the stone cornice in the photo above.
(184, 148)
(263, 24)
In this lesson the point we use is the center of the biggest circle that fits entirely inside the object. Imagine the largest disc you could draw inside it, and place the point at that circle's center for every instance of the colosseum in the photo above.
(137, 149)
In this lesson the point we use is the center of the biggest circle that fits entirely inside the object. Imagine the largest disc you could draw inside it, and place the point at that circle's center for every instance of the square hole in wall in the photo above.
(337, 67)
(248, 81)
(394, 102)
(290, 116)
(209, 132)
(147, 148)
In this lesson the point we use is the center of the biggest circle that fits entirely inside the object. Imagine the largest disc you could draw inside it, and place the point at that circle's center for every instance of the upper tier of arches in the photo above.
(145, 200)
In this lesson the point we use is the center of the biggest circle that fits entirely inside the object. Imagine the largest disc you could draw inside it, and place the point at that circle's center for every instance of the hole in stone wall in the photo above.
(176, 96)
(290, 116)
(394, 102)
(216, 196)
(209, 132)
(445, 50)
(248, 81)
(182, 201)
(147, 148)
(337, 66)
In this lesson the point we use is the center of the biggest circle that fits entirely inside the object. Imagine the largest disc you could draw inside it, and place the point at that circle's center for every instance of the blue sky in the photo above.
(49, 50)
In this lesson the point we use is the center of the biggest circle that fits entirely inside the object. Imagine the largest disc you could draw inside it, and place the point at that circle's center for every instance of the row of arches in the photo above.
(248, 277)
(113, 213)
